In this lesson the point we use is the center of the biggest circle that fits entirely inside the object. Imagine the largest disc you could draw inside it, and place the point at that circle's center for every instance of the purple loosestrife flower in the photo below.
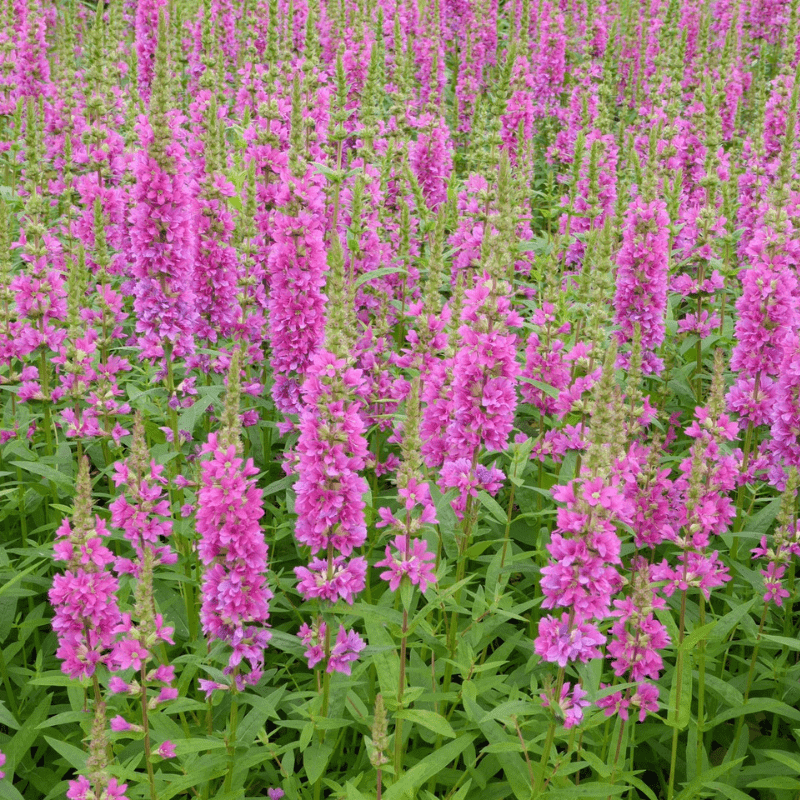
(483, 389)
(166, 749)
(411, 558)
(636, 636)
(297, 265)
(431, 159)
(142, 511)
(644, 697)
(313, 637)
(642, 265)
(82, 789)
(569, 706)
(585, 547)
(545, 360)
(235, 595)
(651, 491)
(84, 596)
(330, 453)
(2, 764)
(217, 270)
(484, 373)
(163, 231)
(767, 317)
(785, 444)
(707, 477)
(595, 191)
(146, 26)
(33, 65)
(785, 544)
(437, 412)
(345, 651)
(562, 641)
(339, 578)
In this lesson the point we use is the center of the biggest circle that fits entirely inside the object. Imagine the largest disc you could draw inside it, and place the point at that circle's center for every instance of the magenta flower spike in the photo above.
(163, 228)
(235, 594)
(642, 265)
(84, 595)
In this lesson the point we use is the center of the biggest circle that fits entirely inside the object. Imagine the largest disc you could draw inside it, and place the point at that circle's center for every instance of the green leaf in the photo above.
(279, 485)
(727, 623)
(759, 523)
(7, 791)
(776, 782)
(204, 770)
(184, 747)
(723, 689)
(729, 791)
(503, 747)
(493, 507)
(549, 390)
(74, 756)
(61, 480)
(24, 738)
(353, 793)
(702, 780)
(680, 705)
(640, 785)
(188, 419)
(512, 762)
(784, 641)
(429, 767)
(18, 576)
(787, 759)
(587, 790)
(7, 718)
(756, 705)
(696, 635)
(377, 273)
(315, 759)
(430, 720)
(387, 663)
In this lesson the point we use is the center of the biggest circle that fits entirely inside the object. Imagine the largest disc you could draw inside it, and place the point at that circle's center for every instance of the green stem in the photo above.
(618, 750)
(548, 746)
(531, 773)
(398, 727)
(470, 514)
(23, 517)
(47, 422)
(750, 674)
(146, 725)
(507, 536)
(789, 602)
(678, 690)
(10, 693)
(326, 679)
(701, 685)
(176, 497)
(232, 725)
(739, 523)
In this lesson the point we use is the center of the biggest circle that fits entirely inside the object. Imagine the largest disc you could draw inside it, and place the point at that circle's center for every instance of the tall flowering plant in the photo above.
(163, 227)
(330, 453)
(232, 550)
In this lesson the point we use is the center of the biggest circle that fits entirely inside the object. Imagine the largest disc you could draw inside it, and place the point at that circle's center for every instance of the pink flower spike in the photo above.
(345, 651)
(119, 724)
(166, 750)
